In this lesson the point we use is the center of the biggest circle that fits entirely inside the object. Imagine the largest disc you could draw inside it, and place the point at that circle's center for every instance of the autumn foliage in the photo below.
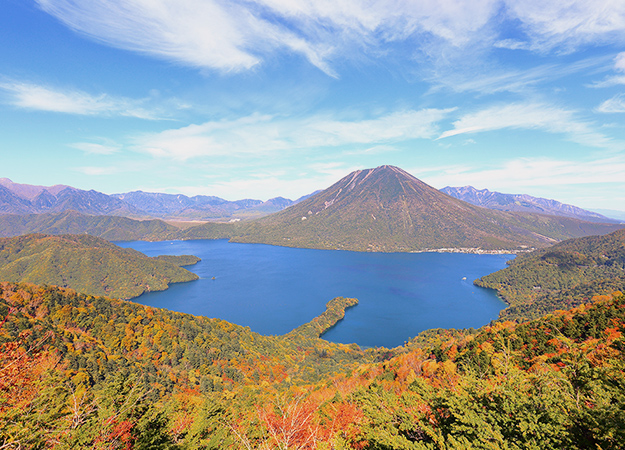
(89, 372)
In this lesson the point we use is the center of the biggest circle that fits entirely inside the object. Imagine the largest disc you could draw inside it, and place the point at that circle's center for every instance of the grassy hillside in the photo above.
(88, 264)
(562, 276)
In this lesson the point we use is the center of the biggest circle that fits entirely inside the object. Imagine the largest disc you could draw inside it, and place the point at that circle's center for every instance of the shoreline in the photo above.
(475, 251)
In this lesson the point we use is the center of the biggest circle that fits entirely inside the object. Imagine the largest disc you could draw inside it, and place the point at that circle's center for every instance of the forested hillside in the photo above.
(85, 372)
(89, 264)
(112, 228)
(560, 277)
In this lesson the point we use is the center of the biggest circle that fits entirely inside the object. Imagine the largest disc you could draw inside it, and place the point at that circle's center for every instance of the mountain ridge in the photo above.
(522, 203)
(379, 209)
(16, 198)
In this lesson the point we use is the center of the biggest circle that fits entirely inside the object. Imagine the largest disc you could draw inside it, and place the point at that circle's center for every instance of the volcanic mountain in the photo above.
(387, 209)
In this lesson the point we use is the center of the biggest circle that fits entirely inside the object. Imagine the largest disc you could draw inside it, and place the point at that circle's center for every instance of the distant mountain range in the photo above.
(522, 203)
(21, 199)
(28, 199)
(381, 209)
(612, 213)
(199, 207)
(387, 209)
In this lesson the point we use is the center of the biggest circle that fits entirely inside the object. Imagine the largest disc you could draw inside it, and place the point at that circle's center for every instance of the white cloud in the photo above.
(262, 134)
(97, 171)
(96, 149)
(270, 184)
(42, 98)
(526, 175)
(619, 62)
(531, 115)
(614, 80)
(200, 33)
(568, 24)
(615, 104)
(236, 35)
(610, 82)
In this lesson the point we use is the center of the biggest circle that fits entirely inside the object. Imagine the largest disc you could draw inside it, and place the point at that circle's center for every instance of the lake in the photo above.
(273, 290)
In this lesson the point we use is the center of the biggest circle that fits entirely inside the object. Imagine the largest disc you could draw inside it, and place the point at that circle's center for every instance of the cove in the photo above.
(273, 289)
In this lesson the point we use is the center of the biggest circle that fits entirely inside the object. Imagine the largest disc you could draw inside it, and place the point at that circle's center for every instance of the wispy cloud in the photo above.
(44, 98)
(533, 116)
(259, 134)
(493, 79)
(615, 104)
(97, 149)
(565, 25)
(526, 173)
(228, 36)
(512, 44)
(237, 35)
(614, 80)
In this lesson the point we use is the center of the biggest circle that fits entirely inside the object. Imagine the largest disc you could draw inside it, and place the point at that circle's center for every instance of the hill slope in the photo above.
(112, 228)
(88, 264)
(387, 209)
(522, 203)
(562, 276)
(98, 373)
(131, 375)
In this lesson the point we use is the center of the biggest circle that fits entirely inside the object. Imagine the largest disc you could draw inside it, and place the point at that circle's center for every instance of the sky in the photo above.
(265, 98)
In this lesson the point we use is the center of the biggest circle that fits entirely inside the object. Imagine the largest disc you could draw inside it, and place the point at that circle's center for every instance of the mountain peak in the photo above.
(388, 209)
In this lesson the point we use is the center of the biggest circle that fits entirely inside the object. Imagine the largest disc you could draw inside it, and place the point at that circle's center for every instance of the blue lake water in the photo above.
(275, 289)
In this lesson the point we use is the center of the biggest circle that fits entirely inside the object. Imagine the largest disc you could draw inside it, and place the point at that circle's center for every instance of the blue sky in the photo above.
(261, 98)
